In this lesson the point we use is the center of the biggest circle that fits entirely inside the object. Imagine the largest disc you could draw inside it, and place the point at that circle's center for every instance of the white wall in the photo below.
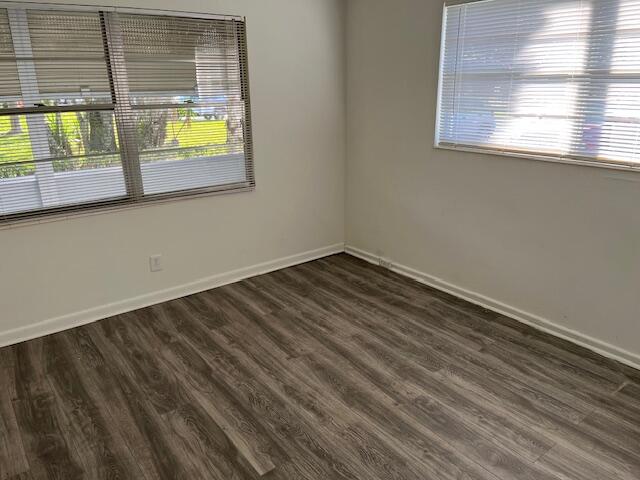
(296, 59)
(556, 243)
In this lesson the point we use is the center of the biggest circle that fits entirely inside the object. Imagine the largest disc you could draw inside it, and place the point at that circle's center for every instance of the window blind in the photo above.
(553, 78)
(102, 108)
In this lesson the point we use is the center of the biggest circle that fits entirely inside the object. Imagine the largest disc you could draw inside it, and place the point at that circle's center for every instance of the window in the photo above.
(550, 78)
(103, 108)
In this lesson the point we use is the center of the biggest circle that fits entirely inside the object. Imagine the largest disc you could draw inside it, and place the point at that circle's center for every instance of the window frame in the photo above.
(128, 152)
(569, 159)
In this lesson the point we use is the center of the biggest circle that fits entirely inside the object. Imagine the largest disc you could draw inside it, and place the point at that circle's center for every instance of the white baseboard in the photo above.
(545, 325)
(77, 319)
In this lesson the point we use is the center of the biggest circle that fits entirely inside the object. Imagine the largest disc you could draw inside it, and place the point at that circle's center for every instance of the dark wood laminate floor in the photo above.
(330, 370)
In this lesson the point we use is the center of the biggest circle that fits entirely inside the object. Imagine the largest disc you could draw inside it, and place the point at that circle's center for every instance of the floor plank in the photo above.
(48, 452)
(86, 427)
(13, 460)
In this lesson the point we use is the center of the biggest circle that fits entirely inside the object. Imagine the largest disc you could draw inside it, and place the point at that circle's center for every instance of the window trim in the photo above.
(453, 3)
(107, 8)
(566, 160)
(504, 152)
(114, 206)
(133, 197)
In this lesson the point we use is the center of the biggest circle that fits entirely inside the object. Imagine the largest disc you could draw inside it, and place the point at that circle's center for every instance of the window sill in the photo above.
(90, 211)
(544, 158)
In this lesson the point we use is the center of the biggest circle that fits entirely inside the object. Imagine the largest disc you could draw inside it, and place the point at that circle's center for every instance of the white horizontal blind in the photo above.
(558, 78)
(56, 112)
(184, 76)
(101, 108)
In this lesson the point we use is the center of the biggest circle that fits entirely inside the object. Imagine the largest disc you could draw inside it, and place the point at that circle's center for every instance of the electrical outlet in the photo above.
(155, 263)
